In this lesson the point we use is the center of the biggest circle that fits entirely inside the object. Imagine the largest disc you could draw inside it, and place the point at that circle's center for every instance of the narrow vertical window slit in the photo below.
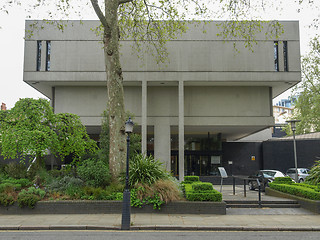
(48, 54)
(276, 56)
(39, 46)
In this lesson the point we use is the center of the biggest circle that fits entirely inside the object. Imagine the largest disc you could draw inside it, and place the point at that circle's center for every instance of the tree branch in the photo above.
(99, 13)
(124, 1)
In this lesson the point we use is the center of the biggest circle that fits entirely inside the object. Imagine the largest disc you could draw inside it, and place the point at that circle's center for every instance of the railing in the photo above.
(245, 182)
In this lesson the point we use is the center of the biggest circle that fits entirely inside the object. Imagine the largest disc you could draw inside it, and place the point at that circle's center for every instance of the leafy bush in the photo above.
(285, 180)
(145, 170)
(191, 179)
(94, 173)
(202, 187)
(62, 184)
(201, 192)
(29, 197)
(297, 190)
(6, 200)
(27, 200)
(16, 170)
(314, 174)
(9, 187)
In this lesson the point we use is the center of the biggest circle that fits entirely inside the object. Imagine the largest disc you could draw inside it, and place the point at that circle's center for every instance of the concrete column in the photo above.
(144, 118)
(162, 143)
(181, 131)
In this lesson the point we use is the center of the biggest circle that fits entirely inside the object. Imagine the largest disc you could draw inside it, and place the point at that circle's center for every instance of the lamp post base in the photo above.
(126, 210)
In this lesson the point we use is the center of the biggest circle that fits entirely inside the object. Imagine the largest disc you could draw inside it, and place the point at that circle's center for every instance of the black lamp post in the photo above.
(293, 128)
(125, 224)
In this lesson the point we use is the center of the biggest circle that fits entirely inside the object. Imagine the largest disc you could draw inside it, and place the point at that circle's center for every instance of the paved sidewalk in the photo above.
(290, 221)
(250, 219)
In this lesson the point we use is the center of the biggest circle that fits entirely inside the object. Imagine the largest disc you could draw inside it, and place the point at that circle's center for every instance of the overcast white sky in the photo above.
(12, 86)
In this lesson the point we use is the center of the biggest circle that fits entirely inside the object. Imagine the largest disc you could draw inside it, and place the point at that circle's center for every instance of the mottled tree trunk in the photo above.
(117, 146)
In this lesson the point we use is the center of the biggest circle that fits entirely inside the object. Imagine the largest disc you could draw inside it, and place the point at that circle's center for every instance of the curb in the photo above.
(158, 228)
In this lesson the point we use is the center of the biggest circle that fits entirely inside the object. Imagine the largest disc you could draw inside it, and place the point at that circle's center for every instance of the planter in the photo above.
(115, 207)
(311, 205)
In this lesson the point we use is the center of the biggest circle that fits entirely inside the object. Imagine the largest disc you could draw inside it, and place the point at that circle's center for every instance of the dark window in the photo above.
(276, 56)
(39, 46)
(285, 56)
(48, 53)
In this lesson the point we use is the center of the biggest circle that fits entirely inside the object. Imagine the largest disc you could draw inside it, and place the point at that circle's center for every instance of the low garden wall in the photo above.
(114, 207)
(311, 205)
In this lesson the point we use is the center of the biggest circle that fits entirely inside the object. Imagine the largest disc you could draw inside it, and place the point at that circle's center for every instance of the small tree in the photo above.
(307, 106)
(31, 128)
(72, 136)
(27, 130)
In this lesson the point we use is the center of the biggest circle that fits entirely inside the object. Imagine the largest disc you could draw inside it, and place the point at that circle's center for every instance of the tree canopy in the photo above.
(307, 105)
(31, 128)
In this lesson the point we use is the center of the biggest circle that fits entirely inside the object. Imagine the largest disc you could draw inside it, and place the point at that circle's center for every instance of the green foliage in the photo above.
(9, 187)
(32, 190)
(201, 192)
(314, 174)
(146, 170)
(72, 136)
(286, 180)
(202, 187)
(29, 197)
(138, 202)
(307, 105)
(6, 200)
(191, 179)
(62, 184)
(16, 170)
(31, 128)
(23, 182)
(27, 200)
(94, 173)
(297, 189)
(27, 129)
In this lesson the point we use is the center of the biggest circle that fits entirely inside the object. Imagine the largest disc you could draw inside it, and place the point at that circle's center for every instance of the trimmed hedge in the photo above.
(284, 180)
(191, 179)
(297, 190)
(201, 191)
(202, 187)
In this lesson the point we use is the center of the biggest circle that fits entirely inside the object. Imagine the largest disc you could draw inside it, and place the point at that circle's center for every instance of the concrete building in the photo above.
(208, 94)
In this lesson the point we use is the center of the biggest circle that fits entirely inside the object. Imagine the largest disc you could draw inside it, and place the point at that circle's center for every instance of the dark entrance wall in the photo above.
(246, 157)
(279, 154)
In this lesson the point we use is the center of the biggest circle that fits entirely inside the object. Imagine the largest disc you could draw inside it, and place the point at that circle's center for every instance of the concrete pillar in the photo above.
(144, 118)
(162, 143)
(181, 131)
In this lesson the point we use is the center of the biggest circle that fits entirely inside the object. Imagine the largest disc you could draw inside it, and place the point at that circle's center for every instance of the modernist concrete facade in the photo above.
(208, 94)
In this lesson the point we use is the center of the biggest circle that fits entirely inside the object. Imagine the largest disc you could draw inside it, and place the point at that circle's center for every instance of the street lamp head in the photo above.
(293, 124)
(129, 125)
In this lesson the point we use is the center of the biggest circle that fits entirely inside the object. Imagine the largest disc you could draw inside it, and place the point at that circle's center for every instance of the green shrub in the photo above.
(146, 170)
(94, 173)
(297, 190)
(32, 190)
(314, 174)
(8, 187)
(199, 191)
(6, 200)
(27, 199)
(62, 184)
(202, 187)
(16, 170)
(96, 193)
(286, 180)
(191, 179)
(73, 191)
(205, 196)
